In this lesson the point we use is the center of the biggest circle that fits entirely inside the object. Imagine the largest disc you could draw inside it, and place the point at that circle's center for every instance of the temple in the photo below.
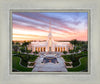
(50, 45)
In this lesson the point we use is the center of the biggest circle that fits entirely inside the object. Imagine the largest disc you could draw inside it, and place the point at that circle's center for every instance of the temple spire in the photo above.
(50, 27)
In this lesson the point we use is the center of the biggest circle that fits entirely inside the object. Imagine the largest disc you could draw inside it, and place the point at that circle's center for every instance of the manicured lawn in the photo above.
(74, 58)
(17, 66)
(66, 58)
(82, 67)
(25, 58)
(33, 58)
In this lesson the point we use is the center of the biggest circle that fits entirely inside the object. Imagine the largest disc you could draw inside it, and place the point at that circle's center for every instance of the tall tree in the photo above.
(25, 45)
(75, 42)
(17, 43)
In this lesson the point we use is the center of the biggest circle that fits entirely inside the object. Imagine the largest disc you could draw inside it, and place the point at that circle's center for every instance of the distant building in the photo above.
(50, 45)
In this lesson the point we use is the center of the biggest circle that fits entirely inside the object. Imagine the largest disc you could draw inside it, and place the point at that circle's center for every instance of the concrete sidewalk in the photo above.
(49, 67)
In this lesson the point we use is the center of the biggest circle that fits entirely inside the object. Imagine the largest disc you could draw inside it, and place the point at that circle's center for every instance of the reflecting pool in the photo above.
(50, 60)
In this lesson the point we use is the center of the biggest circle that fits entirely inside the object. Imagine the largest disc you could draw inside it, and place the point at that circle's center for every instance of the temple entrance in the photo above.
(49, 49)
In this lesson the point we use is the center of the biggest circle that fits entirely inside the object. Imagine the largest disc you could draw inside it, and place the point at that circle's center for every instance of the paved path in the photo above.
(49, 67)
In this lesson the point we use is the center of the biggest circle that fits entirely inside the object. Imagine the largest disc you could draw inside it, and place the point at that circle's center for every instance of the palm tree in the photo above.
(25, 45)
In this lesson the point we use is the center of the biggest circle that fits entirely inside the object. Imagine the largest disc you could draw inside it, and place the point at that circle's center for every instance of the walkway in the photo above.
(49, 67)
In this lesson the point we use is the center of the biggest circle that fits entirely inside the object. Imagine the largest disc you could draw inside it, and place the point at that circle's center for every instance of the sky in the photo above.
(64, 25)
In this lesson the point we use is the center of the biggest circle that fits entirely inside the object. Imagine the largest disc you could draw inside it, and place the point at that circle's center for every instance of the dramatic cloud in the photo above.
(35, 25)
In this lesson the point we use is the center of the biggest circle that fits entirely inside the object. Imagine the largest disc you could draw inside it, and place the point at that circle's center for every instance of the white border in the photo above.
(6, 78)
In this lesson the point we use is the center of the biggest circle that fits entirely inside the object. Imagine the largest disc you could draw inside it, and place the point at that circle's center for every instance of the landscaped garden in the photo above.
(79, 59)
(21, 57)
(20, 62)
(74, 58)
(23, 60)
(82, 67)
(16, 66)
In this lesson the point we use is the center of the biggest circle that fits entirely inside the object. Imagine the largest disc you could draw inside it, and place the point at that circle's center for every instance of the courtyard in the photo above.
(49, 67)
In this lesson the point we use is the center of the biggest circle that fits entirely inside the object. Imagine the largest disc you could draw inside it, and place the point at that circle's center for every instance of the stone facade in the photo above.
(50, 45)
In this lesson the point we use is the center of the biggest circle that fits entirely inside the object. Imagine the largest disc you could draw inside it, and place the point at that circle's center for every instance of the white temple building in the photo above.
(50, 45)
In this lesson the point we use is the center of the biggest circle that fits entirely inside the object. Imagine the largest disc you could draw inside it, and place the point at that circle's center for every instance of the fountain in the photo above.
(50, 60)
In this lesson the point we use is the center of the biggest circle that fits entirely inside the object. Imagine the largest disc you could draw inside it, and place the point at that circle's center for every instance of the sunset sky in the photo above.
(35, 25)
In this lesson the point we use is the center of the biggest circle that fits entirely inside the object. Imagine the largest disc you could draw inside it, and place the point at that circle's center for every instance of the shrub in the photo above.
(68, 64)
(29, 51)
(71, 51)
(13, 52)
(35, 52)
(31, 64)
(74, 58)
(24, 63)
(17, 67)
(33, 58)
(66, 58)
(65, 52)
(22, 49)
(82, 67)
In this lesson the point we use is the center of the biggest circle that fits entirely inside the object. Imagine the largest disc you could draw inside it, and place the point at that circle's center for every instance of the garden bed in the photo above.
(83, 66)
(16, 65)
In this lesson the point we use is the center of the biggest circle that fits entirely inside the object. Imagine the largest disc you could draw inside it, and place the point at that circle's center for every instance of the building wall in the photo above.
(56, 46)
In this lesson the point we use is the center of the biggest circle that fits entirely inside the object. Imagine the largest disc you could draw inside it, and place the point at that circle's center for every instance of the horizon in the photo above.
(45, 40)
(35, 25)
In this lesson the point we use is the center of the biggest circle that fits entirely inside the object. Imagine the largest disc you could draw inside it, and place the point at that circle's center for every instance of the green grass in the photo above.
(74, 58)
(82, 67)
(33, 58)
(25, 58)
(66, 58)
(17, 66)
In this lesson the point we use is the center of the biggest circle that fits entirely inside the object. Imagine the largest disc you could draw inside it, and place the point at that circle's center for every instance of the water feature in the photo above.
(50, 60)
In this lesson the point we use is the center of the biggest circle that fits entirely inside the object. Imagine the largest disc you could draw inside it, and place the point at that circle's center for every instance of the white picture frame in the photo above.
(7, 78)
